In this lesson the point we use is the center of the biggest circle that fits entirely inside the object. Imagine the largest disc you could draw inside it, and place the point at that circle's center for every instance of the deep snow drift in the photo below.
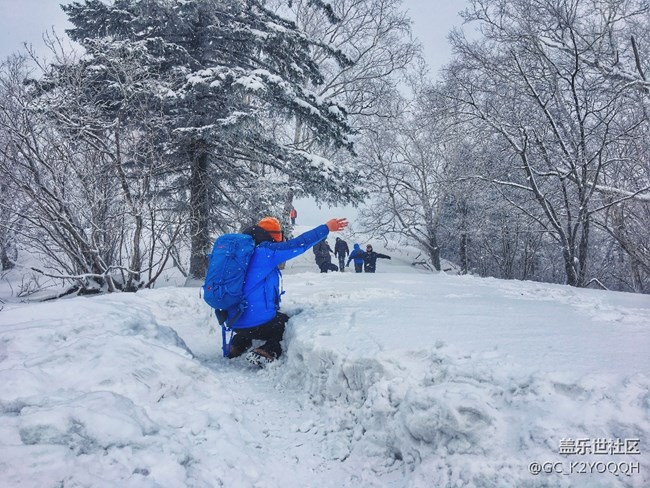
(402, 378)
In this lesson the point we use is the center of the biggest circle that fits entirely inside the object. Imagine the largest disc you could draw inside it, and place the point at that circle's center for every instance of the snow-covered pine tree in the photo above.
(227, 65)
(81, 163)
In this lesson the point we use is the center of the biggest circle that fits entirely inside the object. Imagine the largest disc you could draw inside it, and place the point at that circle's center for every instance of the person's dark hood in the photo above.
(258, 234)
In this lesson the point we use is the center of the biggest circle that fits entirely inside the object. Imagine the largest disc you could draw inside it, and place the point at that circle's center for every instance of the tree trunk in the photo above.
(434, 252)
(583, 251)
(288, 205)
(6, 261)
(464, 239)
(569, 266)
(200, 217)
(136, 260)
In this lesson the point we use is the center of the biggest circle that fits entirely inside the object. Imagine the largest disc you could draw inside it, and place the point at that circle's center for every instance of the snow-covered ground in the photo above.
(401, 378)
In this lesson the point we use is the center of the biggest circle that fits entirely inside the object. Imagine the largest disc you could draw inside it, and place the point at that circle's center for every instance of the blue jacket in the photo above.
(356, 254)
(262, 285)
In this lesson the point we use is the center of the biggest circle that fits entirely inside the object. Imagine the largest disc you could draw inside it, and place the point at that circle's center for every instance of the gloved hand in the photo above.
(335, 225)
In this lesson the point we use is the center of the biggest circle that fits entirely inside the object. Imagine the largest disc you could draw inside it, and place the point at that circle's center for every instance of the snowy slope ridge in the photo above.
(402, 378)
(445, 411)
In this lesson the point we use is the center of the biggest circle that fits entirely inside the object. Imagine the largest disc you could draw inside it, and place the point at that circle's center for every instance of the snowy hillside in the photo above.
(400, 379)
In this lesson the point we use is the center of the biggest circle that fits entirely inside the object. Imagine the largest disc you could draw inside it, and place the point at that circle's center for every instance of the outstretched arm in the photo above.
(283, 251)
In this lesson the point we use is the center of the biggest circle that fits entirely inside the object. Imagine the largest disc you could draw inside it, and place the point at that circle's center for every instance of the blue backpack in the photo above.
(223, 288)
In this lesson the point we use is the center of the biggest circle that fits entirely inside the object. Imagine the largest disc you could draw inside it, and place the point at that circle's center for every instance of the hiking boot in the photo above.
(260, 357)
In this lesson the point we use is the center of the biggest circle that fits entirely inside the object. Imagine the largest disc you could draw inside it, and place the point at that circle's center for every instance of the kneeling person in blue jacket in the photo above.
(262, 319)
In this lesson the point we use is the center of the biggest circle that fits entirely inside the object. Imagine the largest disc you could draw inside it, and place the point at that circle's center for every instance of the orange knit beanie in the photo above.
(273, 227)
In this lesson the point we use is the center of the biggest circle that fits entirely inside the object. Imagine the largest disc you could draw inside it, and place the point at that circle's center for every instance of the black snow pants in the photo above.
(271, 332)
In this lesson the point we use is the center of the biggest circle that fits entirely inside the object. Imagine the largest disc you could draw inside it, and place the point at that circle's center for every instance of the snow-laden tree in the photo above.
(421, 167)
(9, 196)
(39, 164)
(98, 104)
(10, 221)
(532, 81)
(405, 167)
(228, 65)
(375, 35)
(627, 220)
(480, 230)
(79, 153)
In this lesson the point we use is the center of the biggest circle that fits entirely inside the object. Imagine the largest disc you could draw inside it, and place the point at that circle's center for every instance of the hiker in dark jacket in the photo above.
(357, 256)
(322, 254)
(370, 259)
(341, 250)
(261, 319)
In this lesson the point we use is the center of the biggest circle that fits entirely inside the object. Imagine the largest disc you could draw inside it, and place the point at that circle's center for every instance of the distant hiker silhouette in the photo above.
(341, 250)
(370, 259)
(322, 254)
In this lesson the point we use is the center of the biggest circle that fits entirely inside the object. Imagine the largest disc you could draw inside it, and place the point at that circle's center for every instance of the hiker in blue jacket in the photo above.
(357, 256)
(262, 320)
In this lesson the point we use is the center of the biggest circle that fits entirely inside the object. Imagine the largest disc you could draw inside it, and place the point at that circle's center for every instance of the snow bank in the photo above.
(401, 378)
(525, 379)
